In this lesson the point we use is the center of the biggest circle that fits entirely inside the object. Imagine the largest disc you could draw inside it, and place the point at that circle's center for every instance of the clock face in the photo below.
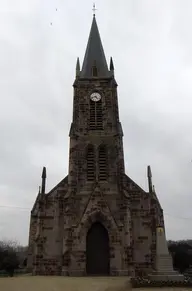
(95, 96)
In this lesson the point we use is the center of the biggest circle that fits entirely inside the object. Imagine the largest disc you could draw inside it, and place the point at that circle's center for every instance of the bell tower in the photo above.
(96, 147)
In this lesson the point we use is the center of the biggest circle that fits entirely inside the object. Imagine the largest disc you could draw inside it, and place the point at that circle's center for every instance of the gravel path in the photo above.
(30, 283)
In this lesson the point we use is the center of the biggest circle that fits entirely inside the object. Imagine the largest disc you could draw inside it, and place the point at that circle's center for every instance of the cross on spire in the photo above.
(94, 9)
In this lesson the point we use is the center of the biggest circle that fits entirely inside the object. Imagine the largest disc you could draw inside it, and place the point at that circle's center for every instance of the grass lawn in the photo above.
(38, 283)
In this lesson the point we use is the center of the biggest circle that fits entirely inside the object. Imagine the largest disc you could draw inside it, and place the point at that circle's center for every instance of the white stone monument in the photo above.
(164, 264)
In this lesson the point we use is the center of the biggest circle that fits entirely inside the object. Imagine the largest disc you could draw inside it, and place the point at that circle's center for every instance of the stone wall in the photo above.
(31, 245)
(61, 246)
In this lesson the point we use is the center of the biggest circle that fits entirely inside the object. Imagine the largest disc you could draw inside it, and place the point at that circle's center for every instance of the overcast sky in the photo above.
(151, 43)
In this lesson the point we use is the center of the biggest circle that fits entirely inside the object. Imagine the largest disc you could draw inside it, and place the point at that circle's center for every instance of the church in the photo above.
(97, 220)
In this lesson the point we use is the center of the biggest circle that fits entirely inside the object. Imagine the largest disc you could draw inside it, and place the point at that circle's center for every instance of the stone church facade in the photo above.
(96, 221)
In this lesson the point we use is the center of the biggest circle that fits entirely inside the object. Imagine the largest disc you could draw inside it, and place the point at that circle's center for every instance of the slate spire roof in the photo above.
(94, 55)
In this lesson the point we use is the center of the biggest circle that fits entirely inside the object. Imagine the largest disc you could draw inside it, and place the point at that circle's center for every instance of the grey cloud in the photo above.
(150, 42)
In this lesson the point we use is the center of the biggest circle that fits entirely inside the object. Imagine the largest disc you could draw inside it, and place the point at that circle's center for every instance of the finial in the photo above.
(77, 67)
(94, 9)
(149, 175)
(39, 189)
(111, 67)
(44, 173)
(154, 188)
(43, 180)
(111, 64)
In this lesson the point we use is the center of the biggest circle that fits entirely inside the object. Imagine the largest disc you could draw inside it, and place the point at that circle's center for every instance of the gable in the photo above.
(97, 203)
(61, 186)
(132, 186)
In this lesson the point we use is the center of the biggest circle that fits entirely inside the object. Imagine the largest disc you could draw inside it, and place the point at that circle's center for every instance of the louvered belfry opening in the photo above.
(96, 116)
(94, 71)
(103, 163)
(90, 163)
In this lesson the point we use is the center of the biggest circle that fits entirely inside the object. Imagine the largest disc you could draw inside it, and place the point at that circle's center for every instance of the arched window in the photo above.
(90, 163)
(103, 163)
(96, 115)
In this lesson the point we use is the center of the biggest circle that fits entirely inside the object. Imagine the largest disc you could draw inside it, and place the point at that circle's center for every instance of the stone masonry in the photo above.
(96, 190)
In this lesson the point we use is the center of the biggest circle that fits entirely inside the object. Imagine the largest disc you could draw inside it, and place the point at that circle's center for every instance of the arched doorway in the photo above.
(97, 250)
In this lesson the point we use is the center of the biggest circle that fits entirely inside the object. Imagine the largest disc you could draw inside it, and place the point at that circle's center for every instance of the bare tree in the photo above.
(8, 256)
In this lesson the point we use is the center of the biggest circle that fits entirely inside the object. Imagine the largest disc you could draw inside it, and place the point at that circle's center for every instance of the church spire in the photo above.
(94, 64)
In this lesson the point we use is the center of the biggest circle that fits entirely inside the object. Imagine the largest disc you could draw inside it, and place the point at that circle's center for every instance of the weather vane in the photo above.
(94, 9)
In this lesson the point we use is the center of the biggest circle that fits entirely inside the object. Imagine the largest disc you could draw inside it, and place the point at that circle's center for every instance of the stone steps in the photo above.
(165, 263)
